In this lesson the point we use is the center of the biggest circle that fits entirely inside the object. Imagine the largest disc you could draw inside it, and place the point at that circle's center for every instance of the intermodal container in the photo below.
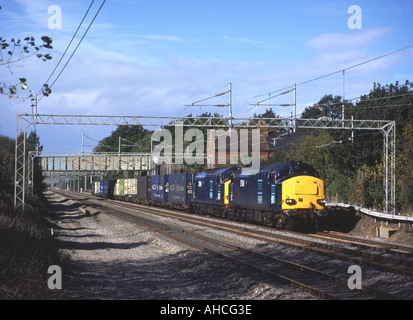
(143, 186)
(180, 188)
(159, 190)
(130, 187)
(119, 188)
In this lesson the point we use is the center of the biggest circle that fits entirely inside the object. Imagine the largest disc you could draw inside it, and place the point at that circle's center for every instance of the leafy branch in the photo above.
(25, 49)
(16, 50)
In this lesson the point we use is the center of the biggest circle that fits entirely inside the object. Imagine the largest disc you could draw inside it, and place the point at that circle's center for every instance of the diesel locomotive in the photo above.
(282, 195)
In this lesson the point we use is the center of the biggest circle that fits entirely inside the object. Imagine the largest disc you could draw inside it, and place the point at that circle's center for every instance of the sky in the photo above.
(154, 57)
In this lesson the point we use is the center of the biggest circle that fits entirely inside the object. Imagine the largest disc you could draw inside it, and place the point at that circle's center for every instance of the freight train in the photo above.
(281, 195)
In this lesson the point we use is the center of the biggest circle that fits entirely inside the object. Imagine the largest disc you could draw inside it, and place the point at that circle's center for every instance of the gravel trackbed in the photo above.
(113, 259)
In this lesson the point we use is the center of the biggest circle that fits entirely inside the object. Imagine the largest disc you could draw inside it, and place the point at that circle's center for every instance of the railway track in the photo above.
(322, 284)
(380, 256)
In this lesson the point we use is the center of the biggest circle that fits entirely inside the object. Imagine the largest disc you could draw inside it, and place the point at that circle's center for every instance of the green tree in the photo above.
(33, 142)
(358, 169)
(6, 168)
(405, 168)
(133, 138)
(269, 113)
(389, 102)
(329, 106)
(7, 149)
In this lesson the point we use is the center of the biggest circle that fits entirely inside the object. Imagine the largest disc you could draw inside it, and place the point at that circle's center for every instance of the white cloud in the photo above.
(350, 40)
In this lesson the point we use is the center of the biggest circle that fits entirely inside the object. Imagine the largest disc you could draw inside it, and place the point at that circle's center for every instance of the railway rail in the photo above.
(381, 256)
(394, 259)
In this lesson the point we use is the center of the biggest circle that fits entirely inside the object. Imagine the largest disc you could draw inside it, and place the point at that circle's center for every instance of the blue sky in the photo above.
(151, 57)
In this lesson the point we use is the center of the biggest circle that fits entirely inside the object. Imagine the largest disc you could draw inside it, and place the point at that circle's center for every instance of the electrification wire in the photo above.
(67, 62)
(67, 48)
(357, 65)
(340, 71)
(368, 100)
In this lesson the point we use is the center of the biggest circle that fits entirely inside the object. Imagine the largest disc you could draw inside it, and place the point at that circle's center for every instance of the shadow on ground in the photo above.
(184, 275)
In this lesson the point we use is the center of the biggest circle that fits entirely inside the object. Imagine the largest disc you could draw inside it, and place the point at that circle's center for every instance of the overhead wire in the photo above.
(288, 89)
(74, 51)
(368, 100)
(356, 65)
(67, 48)
(339, 71)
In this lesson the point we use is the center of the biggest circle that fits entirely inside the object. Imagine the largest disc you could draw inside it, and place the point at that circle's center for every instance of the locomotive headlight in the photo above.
(321, 202)
(290, 202)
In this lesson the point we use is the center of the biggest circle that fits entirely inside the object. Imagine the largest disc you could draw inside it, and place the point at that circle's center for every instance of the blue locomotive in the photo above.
(279, 194)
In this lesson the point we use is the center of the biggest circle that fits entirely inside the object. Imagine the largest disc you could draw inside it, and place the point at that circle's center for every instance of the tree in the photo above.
(7, 149)
(269, 113)
(405, 168)
(329, 106)
(134, 138)
(390, 102)
(33, 142)
(6, 168)
(353, 170)
(16, 50)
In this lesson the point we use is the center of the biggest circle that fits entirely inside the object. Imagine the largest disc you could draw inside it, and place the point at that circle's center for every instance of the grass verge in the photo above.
(27, 249)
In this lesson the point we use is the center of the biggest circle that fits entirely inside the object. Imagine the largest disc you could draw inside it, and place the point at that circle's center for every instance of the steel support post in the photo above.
(20, 164)
(389, 168)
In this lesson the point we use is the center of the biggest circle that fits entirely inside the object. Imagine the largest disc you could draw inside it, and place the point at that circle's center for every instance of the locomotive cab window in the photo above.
(273, 194)
(259, 191)
(211, 189)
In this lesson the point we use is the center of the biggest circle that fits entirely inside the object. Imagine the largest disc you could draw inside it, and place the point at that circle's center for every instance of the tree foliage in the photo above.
(6, 168)
(7, 153)
(329, 106)
(17, 50)
(133, 138)
(269, 113)
(353, 170)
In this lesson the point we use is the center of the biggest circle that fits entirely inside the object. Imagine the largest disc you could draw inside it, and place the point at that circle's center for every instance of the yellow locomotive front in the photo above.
(303, 195)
